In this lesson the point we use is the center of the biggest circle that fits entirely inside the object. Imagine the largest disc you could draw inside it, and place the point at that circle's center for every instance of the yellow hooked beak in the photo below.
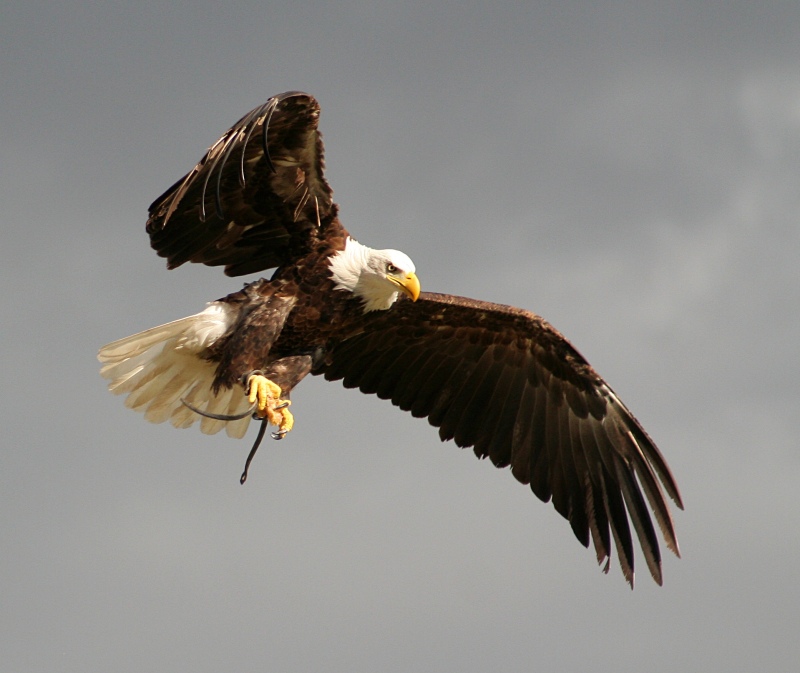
(409, 285)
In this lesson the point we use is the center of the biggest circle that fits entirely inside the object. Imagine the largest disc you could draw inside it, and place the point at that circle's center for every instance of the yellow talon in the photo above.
(266, 396)
(262, 390)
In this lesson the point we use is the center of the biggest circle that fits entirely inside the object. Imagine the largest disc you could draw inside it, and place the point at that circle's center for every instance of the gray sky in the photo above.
(628, 170)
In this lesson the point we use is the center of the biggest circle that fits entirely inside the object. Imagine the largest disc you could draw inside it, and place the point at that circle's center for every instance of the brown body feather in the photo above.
(491, 377)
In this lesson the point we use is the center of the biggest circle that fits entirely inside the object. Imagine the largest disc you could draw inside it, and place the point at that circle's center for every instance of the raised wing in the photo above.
(256, 200)
(505, 382)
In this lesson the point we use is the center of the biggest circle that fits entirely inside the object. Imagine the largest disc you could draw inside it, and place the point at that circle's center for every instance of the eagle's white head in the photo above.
(375, 276)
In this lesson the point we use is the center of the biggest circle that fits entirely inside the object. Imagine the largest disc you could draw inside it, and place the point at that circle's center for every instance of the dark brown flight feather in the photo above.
(253, 199)
(505, 382)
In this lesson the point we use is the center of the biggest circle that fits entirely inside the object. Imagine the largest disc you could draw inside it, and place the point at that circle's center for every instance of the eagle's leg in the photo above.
(266, 396)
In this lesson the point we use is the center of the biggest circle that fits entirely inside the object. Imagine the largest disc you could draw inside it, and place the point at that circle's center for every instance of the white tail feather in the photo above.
(161, 366)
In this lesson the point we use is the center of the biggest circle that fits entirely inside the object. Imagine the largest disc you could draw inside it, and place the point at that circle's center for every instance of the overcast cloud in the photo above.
(629, 170)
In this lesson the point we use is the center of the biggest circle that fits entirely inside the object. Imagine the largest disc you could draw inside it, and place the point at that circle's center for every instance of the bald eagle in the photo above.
(496, 378)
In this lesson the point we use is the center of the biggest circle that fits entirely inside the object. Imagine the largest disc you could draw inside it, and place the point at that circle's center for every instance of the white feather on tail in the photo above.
(162, 365)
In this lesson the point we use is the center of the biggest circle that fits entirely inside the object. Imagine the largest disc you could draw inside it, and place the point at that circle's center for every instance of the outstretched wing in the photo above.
(505, 382)
(256, 200)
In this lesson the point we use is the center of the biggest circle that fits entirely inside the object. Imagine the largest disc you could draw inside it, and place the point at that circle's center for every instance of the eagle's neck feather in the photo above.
(350, 270)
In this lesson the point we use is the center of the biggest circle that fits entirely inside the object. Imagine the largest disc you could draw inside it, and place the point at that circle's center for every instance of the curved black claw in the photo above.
(219, 417)
(280, 434)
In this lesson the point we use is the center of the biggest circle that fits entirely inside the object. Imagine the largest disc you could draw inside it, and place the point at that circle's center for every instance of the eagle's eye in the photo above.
(391, 268)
